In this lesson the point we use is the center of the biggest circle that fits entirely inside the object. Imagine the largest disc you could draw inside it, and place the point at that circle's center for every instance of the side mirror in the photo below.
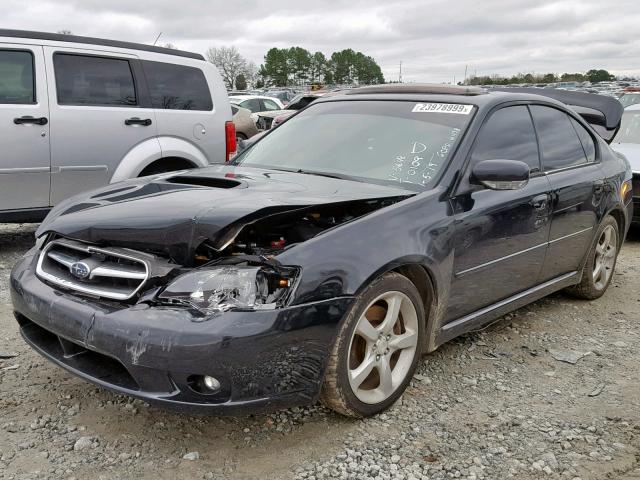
(501, 174)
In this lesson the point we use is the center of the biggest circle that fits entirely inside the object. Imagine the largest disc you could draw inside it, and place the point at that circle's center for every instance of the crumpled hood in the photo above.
(631, 151)
(173, 213)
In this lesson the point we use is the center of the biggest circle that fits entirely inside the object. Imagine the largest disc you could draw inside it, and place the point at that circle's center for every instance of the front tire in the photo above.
(377, 348)
(601, 262)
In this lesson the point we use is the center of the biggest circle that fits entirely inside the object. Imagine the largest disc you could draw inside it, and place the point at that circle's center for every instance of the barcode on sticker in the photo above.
(442, 108)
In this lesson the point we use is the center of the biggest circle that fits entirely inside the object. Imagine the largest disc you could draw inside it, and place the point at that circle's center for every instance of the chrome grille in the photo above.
(108, 273)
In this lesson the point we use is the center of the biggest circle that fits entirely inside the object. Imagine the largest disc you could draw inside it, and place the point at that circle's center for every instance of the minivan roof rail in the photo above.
(58, 37)
(421, 88)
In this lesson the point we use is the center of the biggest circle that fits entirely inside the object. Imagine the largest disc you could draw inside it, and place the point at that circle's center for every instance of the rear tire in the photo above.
(377, 348)
(601, 262)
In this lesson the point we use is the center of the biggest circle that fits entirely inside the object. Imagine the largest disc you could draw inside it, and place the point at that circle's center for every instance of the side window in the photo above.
(17, 85)
(270, 105)
(177, 87)
(234, 109)
(559, 143)
(586, 140)
(508, 135)
(252, 104)
(93, 81)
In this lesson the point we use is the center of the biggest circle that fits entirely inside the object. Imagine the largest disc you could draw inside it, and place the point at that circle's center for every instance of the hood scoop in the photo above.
(211, 182)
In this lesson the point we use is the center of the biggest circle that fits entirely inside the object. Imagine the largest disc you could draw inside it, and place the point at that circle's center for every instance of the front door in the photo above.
(500, 236)
(577, 188)
(97, 118)
(24, 128)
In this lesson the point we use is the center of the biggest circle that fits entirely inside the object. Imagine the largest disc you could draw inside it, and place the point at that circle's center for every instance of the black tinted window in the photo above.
(508, 135)
(587, 142)
(16, 77)
(96, 81)
(176, 87)
(559, 142)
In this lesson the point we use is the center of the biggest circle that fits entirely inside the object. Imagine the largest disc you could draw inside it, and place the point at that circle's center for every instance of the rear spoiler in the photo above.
(602, 112)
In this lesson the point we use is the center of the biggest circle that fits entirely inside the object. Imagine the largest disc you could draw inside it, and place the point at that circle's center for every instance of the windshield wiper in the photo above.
(317, 173)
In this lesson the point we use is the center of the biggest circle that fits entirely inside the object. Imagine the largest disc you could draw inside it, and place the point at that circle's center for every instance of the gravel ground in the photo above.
(491, 405)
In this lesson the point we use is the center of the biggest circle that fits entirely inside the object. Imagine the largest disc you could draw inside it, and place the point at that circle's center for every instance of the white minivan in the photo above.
(77, 113)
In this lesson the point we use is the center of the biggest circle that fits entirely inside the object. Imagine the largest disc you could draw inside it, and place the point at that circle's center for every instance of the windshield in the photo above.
(629, 99)
(389, 142)
(629, 128)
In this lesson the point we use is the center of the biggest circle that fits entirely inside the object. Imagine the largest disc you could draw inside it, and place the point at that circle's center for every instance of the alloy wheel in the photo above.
(605, 257)
(383, 347)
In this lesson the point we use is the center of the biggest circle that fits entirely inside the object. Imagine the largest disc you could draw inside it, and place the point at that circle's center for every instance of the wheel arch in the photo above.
(618, 214)
(418, 272)
(147, 153)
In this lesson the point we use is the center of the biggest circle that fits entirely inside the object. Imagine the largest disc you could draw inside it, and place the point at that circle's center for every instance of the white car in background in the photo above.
(627, 142)
(256, 103)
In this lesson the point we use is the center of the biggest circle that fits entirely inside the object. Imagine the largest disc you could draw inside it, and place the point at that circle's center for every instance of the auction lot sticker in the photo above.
(443, 108)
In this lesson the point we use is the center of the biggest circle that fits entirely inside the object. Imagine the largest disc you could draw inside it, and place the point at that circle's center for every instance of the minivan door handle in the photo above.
(30, 120)
(145, 122)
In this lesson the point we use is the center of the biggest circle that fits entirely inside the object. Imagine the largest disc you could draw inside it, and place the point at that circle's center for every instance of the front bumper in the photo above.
(264, 360)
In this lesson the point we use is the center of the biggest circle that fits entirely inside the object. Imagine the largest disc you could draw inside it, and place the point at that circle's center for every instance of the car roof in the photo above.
(249, 97)
(635, 106)
(58, 37)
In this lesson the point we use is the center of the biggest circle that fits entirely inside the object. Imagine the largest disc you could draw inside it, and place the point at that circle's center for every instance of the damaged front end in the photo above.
(205, 301)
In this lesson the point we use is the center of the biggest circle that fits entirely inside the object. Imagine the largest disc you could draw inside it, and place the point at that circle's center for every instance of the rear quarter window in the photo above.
(177, 87)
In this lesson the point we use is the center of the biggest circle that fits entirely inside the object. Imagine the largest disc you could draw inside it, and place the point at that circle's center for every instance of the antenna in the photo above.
(400, 73)
(157, 38)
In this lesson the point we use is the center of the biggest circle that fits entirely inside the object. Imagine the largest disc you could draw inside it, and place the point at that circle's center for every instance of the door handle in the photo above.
(145, 122)
(30, 120)
(540, 202)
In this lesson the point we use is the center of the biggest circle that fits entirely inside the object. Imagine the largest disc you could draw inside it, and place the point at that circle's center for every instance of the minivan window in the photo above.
(508, 135)
(559, 142)
(93, 81)
(177, 87)
(17, 84)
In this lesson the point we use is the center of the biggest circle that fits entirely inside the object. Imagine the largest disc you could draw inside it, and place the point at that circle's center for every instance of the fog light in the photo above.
(211, 383)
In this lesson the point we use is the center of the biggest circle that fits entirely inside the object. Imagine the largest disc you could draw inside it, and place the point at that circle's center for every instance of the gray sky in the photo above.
(434, 39)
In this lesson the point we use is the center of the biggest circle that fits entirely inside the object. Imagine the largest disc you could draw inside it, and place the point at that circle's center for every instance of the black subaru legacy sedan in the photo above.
(365, 231)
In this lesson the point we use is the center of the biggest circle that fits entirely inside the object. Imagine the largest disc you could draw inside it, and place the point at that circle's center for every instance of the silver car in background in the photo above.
(77, 113)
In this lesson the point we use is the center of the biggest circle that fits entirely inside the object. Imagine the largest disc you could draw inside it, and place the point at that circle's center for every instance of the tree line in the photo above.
(593, 76)
(295, 66)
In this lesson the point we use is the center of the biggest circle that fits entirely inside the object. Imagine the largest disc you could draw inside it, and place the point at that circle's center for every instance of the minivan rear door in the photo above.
(99, 115)
(24, 126)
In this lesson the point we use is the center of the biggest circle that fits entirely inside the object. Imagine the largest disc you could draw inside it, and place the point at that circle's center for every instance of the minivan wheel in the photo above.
(377, 349)
(601, 262)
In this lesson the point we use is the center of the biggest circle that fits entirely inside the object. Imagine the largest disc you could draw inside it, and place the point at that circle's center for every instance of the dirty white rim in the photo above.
(605, 258)
(382, 347)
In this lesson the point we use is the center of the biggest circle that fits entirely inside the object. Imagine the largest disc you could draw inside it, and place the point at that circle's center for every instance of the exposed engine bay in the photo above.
(270, 235)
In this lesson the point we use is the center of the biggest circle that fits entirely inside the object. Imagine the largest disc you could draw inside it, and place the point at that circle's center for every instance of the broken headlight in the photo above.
(218, 289)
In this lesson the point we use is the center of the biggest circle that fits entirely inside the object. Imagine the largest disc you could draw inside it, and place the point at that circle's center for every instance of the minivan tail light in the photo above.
(230, 136)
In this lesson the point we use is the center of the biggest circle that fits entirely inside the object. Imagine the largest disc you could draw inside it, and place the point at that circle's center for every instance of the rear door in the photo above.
(500, 236)
(577, 187)
(24, 128)
(188, 124)
(98, 115)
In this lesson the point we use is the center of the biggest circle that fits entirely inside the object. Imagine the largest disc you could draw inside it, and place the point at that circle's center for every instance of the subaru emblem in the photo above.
(80, 270)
